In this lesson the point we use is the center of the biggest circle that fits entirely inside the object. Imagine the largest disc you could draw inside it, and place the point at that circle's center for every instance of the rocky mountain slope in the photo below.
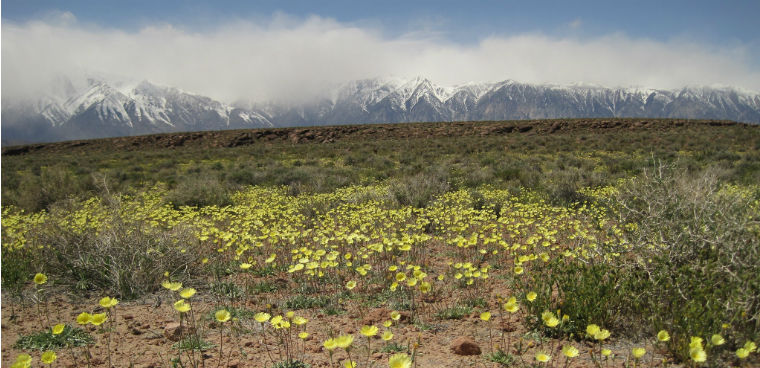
(109, 109)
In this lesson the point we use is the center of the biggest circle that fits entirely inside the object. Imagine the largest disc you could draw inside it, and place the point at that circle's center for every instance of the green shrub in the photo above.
(455, 312)
(585, 292)
(45, 340)
(307, 302)
(419, 190)
(199, 192)
(263, 287)
(193, 343)
(394, 347)
(114, 252)
(695, 252)
(228, 290)
(502, 358)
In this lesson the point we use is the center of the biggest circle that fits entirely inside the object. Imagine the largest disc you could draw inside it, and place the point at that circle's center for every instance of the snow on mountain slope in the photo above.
(105, 109)
(99, 108)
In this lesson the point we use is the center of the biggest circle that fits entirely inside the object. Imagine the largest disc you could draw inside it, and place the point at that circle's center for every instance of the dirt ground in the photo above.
(139, 338)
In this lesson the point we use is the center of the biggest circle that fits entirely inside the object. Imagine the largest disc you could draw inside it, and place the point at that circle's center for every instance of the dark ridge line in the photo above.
(333, 133)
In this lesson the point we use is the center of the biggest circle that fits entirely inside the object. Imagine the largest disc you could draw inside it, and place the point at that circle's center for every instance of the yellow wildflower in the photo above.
(84, 318)
(698, 355)
(717, 340)
(742, 353)
(181, 306)
(750, 346)
(222, 315)
(108, 302)
(400, 360)
(569, 351)
(330, 344)
(592, 329)
(344, 341)
(261, 317)
(638, 352)
(187, 293)
(22, 361)
(543, 357)
(602, 334)
(98, 319)
(48, 357)
(663, 336)
(369, 330)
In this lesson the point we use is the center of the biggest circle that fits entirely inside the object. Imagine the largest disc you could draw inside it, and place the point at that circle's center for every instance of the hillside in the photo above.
(328, 134)
(513, 241)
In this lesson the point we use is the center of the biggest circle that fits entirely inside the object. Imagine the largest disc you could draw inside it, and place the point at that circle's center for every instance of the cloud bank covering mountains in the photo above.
(289, 70)
(99, 107)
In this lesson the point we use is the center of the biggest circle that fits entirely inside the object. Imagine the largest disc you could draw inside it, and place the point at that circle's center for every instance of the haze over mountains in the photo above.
(101, 108)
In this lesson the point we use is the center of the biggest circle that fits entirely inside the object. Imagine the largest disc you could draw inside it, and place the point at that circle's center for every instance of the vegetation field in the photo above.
(579, 243)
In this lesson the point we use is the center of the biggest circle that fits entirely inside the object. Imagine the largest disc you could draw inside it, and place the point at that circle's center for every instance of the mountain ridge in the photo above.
(110, 109)
(362, 132)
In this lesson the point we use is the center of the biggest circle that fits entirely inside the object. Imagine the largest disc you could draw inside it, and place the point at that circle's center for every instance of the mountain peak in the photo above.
(99, 108)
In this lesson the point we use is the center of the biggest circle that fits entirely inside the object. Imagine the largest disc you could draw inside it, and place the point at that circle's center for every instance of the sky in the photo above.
(259, 50)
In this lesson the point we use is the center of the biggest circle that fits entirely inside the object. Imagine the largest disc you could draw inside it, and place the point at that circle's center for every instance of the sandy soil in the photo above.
(139, 338)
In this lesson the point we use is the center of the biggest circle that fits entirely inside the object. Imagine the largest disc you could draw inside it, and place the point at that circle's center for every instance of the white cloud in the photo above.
(285, 57)
(575, 24)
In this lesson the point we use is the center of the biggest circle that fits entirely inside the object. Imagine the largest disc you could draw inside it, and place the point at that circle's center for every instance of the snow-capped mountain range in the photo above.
(102, 108)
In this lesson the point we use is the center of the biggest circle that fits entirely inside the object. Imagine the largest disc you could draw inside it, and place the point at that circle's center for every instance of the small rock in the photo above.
(507, 327)
(173, 331)
(377, 356)
(376, 316)
(248, 344)
(234, 364)
(379, 315)
(464, 345)
(128, 316)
